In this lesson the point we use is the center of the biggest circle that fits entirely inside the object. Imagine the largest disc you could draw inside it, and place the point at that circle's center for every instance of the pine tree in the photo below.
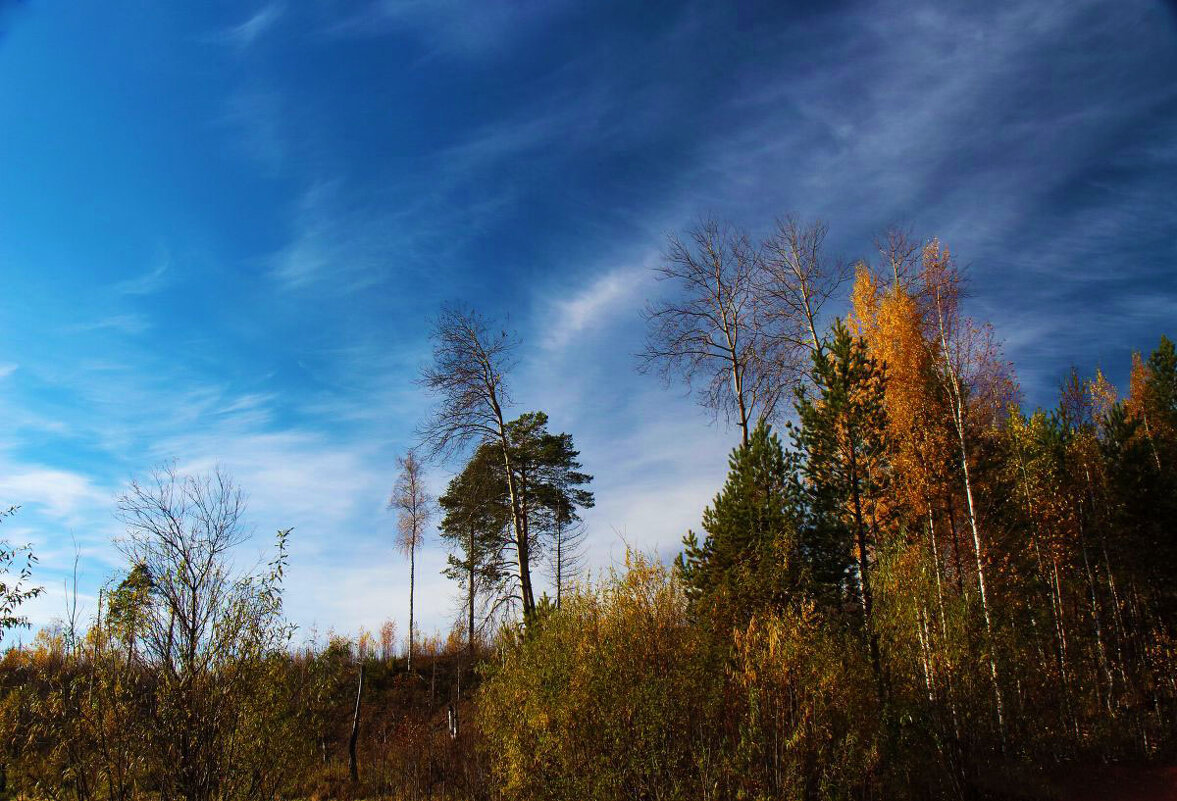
(842, 441)
(747, 561)
(549, 477)
(548, 493)
(476, 522)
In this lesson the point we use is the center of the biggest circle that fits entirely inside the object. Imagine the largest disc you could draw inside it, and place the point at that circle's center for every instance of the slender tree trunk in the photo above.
(1151, 443)
(936, 567)
(521, 544)
(1117, 613)
(809, 318)
(1056, 612)
(559, 562)
(1097, 624)
(738, 389)
(470, 591)
(925, 656)
(412, 589)
(943, 625)
(1060, 617)
(959, 421)
(733, 355)
(352, 767)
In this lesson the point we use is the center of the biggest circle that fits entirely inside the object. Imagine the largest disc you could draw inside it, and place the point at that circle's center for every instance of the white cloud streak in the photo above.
(147, 283)
(249, 31)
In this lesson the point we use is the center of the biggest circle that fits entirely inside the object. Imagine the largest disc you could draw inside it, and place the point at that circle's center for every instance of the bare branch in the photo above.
(797, 281)
(468, 376)
(709, 335)
(412, 502)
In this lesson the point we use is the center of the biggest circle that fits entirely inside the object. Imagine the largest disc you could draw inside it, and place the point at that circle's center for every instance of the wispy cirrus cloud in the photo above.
(608, 297)
(1001, 136)
(245, 33)
(61, 494)
(337, 242)
(129, 323)
(147, 283)
(347, 239)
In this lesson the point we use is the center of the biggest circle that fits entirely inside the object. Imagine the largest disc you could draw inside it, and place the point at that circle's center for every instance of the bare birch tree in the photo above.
(468, 375)
(413, 506)
(963, 351)
(796, 280)
(709, 333)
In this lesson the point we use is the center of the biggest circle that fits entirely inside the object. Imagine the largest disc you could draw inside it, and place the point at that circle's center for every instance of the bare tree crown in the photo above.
(182, 529)
(412, 502)
(746, 316)
(471, 360)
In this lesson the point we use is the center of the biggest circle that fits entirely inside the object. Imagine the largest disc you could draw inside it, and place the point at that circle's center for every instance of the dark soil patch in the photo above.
(1119, 783)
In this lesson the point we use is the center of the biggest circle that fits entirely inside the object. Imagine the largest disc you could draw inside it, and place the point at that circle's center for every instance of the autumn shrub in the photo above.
(619, 695)
(615, 695)
(809, 716)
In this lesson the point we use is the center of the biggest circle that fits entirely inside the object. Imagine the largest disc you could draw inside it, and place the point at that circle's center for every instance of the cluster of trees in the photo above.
(927, 593)
(77, 722)
(907, 587)
(187, 683)
(168, 689)
(517, 499)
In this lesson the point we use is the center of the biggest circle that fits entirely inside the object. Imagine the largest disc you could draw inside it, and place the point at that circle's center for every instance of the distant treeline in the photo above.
(908, 587)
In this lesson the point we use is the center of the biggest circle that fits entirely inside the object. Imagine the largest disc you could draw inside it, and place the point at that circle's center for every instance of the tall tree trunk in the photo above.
(957, 408)
(959, 421)
(943, 624)
(521, 545)
(1057, 598)
(741, 407)
(470, 591)
(352, 767)
(732, 351)
(922, 636)
(1117, 611)
(412, 589)
(1097, 624)
(936, 567)
(1151, 443)
(559, 561)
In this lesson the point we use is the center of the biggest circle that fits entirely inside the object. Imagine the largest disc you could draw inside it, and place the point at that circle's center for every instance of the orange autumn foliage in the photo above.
(891, 321)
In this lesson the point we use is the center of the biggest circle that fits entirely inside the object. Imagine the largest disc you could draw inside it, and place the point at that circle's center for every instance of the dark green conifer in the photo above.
(747, 561)
(842, 443)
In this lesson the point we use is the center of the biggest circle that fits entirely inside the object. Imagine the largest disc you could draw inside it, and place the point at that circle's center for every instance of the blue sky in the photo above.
(224, 228)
